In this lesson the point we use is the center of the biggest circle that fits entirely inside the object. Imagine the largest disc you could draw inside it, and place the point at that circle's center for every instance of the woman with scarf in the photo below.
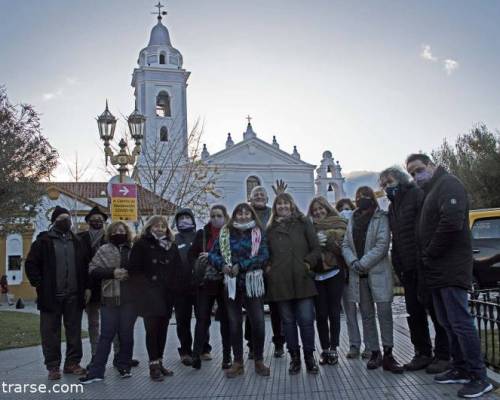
(365, 249)
(154, 260)
(294, 251)
(210, 289)
(241, 253)
(329, 276)
(118, 314)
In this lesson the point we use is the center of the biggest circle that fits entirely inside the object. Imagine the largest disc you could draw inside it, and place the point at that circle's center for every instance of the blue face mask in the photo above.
(421, 178)
(392, 191)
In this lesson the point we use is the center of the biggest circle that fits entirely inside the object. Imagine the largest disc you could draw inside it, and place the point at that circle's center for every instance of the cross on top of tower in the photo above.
(160, 12)
(248, 118)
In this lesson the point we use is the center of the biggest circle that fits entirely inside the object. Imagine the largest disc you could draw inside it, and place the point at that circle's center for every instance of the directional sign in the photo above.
(124, 201)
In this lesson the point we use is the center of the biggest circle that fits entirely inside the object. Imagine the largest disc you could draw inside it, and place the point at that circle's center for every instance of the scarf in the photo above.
(359, 229)
(163, 241)
(330, 222)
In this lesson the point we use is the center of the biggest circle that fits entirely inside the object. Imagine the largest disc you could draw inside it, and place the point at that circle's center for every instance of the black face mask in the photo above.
(364, 203)
(63, 225)
(118, 238)
(96, 225)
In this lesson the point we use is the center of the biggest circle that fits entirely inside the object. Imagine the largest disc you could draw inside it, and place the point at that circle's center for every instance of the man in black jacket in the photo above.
(56, 266)
(405, 201)
(444, 243)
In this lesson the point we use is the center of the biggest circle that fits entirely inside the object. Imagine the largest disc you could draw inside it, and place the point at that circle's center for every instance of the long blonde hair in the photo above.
(323, 203)
(293, 207)
(156, 219)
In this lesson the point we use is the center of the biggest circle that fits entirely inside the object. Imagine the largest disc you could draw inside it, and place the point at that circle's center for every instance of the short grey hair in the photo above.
(397, 173)
(258, 189)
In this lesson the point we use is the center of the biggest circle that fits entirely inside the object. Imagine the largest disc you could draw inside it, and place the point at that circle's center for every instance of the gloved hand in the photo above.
(87, 295)
(322, 238)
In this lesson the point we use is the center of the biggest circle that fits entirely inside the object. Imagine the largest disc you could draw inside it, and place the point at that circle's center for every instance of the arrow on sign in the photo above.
(124, 190)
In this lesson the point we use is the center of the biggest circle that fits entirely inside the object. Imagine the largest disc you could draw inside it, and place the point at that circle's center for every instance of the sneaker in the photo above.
(206, 356)
(418, 362)
(438, 366)
(375, 360)
(88, 379)
(54, 374)
(74, 369)
(452, 376)
(311, 366)
(226, 362)
(334, 357)
(278, 351)
(294, 363)
(155, 372)
(262, 369)
(235, 370)
(353, 352)
(475, 388)
(124, 373)
(323, 357)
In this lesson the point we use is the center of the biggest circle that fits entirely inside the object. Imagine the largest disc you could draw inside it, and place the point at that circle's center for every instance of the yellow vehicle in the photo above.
(485, 228)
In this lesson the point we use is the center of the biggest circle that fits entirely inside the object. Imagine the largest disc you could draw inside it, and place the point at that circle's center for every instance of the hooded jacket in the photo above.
(184, 241)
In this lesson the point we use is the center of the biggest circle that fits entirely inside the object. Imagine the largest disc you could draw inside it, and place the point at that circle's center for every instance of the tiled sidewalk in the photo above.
(348, 380)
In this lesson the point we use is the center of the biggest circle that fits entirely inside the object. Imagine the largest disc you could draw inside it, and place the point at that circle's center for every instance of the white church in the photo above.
(160, 84)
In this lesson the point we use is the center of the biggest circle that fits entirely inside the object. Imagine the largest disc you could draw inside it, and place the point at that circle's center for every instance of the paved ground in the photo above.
(348, 380)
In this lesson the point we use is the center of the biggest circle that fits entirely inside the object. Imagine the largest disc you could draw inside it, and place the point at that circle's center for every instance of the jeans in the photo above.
(92, 311)
(255, 311)
(327, 305)
(184, 307)
(298, 313)
(384, 314)
(206, 300)
(115, 320)
(450, 304)
(70, 312)
(418, 321)
(276, 324)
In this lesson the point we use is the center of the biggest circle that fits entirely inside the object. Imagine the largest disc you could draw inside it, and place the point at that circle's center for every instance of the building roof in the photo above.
(159, 35)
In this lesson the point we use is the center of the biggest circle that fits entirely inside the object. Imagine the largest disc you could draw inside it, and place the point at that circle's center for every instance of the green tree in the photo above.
(475, 160)
(26, 158)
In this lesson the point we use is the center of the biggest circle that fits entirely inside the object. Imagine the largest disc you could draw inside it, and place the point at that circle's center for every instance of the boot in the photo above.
(375, 360)
(196, 364)
(418, 362)
(226, 361)
(389, 363)
(323, 358)
(311, 365)
(155, 372)
(334, 357)
(261, 369)
(278, 351)
(235, 370)
(294, 362)
(165, 371)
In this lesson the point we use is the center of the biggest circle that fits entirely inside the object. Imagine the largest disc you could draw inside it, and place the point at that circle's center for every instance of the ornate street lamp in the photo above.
(106, 123)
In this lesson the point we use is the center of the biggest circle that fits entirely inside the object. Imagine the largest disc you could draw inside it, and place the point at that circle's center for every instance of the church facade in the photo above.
(160, 85)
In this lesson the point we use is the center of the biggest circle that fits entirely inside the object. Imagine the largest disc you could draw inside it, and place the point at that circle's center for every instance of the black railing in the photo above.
(485, 308)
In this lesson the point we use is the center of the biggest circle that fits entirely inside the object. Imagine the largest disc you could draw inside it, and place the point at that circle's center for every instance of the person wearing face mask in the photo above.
(241, 253)
(445, 248)
(345, 207)
(56, 266)
(365, 249)
(210, 290)
(92, 239)
(294, 250)
(118, 314)
(155, 263)
(405, 201)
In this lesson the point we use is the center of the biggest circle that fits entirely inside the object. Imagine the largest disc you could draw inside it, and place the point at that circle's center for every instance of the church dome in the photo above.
(159, 35)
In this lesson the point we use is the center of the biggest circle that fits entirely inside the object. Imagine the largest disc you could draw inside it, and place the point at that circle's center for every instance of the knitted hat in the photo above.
(96, 211)
(58, 211)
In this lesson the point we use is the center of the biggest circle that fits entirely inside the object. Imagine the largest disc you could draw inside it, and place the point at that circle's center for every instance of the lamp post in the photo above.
(106, 123)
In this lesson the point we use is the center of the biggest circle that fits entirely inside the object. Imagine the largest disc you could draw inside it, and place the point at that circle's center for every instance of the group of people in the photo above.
(306, 267)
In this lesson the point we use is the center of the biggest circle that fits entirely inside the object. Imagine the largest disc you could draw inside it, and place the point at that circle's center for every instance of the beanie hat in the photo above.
(58, 211)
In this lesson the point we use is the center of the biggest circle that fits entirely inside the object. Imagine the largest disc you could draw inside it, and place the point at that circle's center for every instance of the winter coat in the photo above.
(40, 268)
(93, 283)
(102, 268)
(443, 233)
(155, 270)
(403, 214)
(241, 248)
(375, 260)
(292, 244)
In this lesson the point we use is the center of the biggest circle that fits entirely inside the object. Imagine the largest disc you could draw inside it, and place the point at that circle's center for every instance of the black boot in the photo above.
(311, 365)
(278, 351)
(294, 362)
(196, 364)
(375, 360)
(389, 363)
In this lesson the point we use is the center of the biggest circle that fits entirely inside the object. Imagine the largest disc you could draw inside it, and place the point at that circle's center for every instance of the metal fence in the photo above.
(485, 308)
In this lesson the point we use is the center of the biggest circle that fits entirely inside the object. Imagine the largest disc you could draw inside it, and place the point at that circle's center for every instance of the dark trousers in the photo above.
(255, 311)
(298, 313)
(184, 307)
(276, 324)
(156, 334)
(115, 320)
(69, 311)
(206, 300)
(327, 304)
(418, 321)
(451, 305)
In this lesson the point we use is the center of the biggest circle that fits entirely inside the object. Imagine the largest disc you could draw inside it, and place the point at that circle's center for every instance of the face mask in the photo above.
(97, 225)
(118, 238)
(423, 177)
(64, 225)
(244, 226)
(217, 222)
(185, 225)
(346, 213)
(364, 203)
(391, 192)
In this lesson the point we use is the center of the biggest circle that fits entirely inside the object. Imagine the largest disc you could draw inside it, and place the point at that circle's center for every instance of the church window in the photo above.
(163, 104)
(162, 58)
(164, 134)
(252, 181)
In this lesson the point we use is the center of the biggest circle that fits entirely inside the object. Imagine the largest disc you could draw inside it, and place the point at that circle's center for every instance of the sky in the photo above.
(371, 81)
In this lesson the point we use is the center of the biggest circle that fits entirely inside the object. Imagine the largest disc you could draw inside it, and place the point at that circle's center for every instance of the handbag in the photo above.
(200, 265)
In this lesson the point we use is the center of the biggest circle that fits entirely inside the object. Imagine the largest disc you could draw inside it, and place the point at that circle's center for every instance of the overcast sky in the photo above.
(369, 80)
